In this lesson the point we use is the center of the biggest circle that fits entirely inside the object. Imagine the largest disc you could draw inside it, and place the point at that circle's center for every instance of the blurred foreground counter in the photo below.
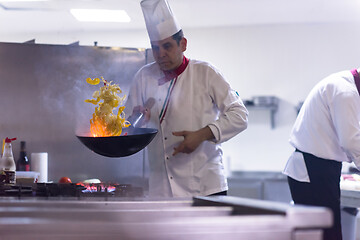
(217, 217)
(273, 186)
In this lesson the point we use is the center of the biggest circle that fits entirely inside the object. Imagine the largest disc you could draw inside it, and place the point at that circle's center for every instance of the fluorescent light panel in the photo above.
(100, 15)
(23, 1)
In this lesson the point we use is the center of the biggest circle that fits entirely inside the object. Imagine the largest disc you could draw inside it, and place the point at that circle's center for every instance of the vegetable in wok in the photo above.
(104, 122)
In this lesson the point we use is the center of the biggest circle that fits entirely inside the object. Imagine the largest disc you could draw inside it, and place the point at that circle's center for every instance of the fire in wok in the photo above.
(120, 146)
(111, 134)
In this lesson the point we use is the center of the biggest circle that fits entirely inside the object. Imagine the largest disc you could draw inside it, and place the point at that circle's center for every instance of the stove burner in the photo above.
(17, 190)
(97, 187)
(71, 190)
(58, 189)
(111, 189)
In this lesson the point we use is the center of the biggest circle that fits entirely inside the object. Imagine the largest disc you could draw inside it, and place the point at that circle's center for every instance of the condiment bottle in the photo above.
(7, 164)
(23, 163)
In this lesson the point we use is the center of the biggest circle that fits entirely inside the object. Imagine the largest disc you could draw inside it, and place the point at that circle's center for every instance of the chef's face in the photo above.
(168, 53)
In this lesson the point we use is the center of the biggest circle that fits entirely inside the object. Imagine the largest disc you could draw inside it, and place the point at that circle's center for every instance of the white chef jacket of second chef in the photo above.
(200, 97)
(327, 125)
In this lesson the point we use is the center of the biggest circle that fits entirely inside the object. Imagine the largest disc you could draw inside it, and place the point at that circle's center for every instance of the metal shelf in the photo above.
(272, 106)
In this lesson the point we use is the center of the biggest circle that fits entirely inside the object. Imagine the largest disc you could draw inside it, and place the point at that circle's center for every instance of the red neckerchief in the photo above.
(356, 78)
(169, 75)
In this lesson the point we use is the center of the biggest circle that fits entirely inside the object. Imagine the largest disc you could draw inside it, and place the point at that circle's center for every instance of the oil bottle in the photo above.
(7, 164)
(23, 163)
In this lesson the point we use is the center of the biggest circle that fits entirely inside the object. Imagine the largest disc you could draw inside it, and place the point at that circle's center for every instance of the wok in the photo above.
(120, 146)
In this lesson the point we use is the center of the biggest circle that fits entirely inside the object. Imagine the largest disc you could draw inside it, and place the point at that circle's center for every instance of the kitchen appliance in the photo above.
(71, 190)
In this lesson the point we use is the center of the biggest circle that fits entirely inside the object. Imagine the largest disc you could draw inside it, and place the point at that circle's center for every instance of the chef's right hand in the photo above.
(143, 110)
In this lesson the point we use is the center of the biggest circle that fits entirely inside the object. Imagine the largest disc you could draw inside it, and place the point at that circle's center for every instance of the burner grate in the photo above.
(71, 190)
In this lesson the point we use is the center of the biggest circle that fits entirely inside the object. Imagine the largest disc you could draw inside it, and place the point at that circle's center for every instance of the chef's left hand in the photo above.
(192, 139)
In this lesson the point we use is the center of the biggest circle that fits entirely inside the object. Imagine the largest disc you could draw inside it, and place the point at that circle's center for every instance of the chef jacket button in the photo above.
(165, 138)
(171, 177)
(167, 158)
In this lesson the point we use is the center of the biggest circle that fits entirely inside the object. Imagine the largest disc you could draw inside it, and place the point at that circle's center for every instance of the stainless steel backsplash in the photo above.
(42, 95)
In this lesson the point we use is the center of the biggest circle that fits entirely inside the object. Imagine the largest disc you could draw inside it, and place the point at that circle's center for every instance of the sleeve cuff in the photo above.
(215, 132)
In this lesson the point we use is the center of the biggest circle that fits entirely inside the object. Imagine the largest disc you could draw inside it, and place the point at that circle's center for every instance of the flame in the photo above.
(98, 129)
(97, 187)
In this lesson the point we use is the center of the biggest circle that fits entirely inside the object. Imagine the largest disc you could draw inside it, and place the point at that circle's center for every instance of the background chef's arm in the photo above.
(233, 116)
(345, 112)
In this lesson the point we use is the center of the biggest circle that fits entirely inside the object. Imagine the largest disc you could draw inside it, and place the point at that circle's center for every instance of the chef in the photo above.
(195, 110)
(325, 134)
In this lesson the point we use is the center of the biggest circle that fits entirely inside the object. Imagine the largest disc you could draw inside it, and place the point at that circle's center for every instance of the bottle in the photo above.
(7, 164)
(23, 163)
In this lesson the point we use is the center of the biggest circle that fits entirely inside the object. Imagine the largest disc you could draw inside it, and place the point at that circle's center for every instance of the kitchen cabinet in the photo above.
(350, 198)
(350, 202)
(259, 185)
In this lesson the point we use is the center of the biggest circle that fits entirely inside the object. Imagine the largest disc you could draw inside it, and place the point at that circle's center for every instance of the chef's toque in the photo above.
(160, 20)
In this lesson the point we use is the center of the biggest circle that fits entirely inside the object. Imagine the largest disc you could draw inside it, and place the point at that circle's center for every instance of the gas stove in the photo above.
(71, 190)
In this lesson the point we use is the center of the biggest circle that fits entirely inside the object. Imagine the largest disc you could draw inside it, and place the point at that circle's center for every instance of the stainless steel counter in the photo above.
(350, 198)
(271, 186)
(350, 202)
(198, 218)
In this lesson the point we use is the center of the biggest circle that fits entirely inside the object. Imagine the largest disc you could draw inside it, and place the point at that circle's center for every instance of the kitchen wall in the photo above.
(280, 60)
(42, 95)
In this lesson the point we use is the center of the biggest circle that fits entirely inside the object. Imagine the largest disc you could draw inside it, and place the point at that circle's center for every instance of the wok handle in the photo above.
(137, 117)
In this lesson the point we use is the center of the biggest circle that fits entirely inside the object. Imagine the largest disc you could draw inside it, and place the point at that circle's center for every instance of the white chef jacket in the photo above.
(327, 125)
(199, 97)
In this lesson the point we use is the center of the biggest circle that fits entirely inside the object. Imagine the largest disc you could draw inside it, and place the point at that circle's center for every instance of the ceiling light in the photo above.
(23, 0)
(100, 15)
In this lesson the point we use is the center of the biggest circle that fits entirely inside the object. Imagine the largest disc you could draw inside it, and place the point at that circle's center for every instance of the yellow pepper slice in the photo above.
(94, 81)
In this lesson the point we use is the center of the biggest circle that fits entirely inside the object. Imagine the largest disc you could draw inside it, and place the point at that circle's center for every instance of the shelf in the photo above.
(272, 107)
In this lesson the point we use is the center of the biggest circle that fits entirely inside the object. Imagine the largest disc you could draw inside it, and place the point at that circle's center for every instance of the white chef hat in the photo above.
(160, 20)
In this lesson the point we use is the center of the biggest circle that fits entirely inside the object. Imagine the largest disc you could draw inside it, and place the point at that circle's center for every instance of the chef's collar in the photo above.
(169, 75)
